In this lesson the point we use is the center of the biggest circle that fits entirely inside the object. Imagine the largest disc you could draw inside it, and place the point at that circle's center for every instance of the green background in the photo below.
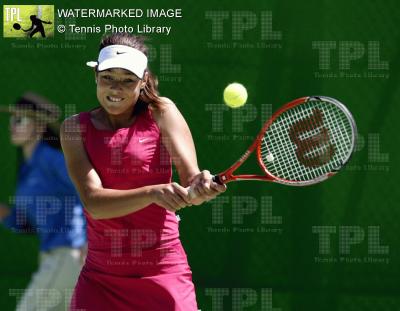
(235, 263)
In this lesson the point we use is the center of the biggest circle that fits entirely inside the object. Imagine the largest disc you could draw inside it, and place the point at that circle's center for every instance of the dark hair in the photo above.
(43, 111)
(51, 137)
(149, 94)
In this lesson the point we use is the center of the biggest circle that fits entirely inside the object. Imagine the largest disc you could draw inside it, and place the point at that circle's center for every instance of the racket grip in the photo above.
(217, 179)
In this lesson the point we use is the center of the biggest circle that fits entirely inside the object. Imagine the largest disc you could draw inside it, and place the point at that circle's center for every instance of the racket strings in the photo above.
(307, 141)
(316, 146)
(304, 117)
(311, 151)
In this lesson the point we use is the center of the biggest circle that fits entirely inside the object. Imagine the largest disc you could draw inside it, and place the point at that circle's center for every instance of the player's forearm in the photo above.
(104, 203)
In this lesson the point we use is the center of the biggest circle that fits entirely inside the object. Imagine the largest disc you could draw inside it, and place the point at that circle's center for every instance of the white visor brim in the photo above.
(121, 56)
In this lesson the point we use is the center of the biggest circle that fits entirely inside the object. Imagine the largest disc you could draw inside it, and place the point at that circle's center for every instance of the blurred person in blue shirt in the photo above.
(45, 203)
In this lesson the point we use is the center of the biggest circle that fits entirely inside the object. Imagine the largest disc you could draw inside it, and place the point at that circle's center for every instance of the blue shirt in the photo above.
(46, 202)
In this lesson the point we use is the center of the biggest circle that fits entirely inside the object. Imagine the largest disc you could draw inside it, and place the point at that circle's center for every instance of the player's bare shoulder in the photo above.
(71, 120)
(70, 123)
(70, 130)
(166, 101)
(164, 104)
(163, 110)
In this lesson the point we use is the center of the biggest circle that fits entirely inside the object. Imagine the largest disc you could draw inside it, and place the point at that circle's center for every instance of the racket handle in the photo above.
(217, 179)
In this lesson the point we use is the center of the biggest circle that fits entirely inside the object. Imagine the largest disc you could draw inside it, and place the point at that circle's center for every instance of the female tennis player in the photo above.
(46, 204)
(119, 157)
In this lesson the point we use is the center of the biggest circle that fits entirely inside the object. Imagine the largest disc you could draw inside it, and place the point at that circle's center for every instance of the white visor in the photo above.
(121, 56)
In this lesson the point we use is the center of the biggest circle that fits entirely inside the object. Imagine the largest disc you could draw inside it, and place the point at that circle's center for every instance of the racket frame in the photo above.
(227, 175)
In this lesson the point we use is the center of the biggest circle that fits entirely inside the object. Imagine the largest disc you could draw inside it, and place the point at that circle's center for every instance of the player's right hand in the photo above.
(171, 196)
(203, 188)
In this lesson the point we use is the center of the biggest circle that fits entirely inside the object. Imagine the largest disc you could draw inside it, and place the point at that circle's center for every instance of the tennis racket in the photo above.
(305, 142)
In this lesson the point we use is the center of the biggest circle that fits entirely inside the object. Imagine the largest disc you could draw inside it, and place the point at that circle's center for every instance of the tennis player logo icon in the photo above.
(28, 21)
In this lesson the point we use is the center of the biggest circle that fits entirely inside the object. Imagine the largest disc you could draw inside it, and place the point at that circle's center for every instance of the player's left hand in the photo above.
(204, 188)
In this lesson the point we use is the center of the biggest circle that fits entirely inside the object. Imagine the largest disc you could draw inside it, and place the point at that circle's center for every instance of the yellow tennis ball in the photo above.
(235, 95)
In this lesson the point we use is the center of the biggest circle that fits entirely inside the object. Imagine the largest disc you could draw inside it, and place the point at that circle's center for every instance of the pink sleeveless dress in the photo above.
(134, 262)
